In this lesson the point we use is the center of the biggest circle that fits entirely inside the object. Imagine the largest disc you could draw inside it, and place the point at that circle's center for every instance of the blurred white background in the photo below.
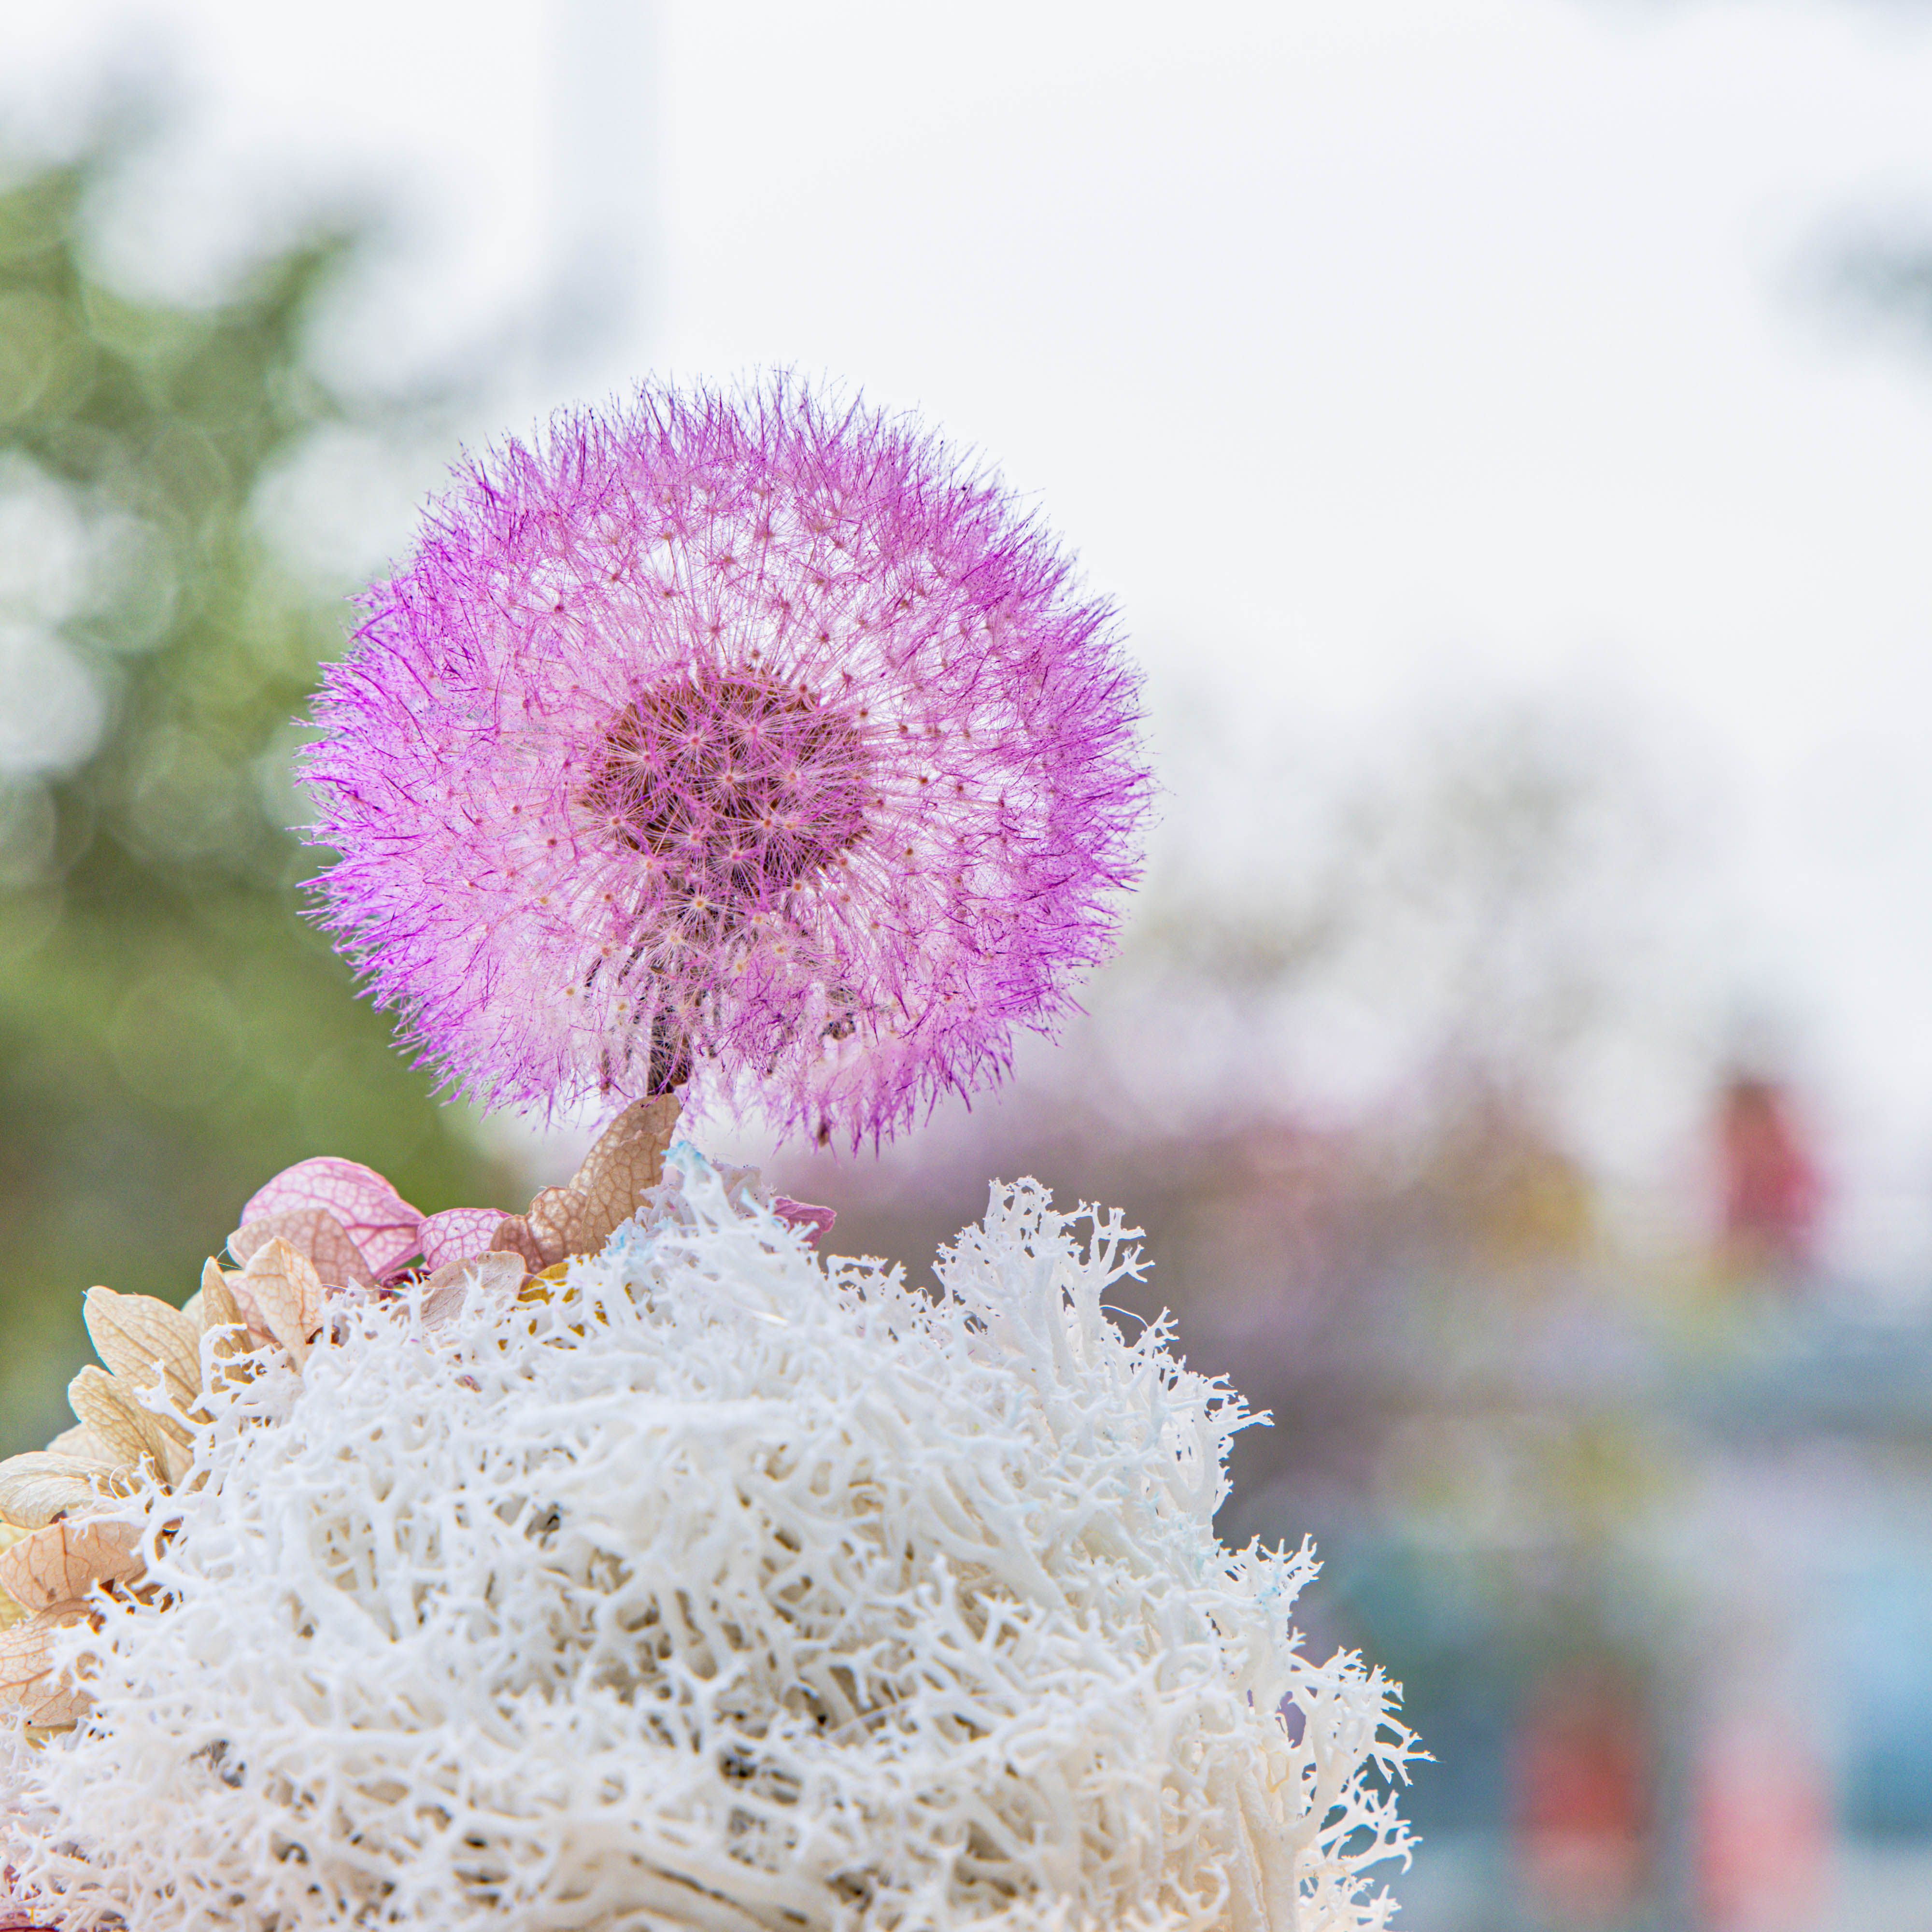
(1391, 362)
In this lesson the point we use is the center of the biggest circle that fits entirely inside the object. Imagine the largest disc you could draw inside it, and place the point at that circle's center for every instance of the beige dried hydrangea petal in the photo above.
(61, 1563)
(133, 1332)
(514, 1234)
(111, 1407)
(286, 1292)
(111, 1416)
(10, 1612)
(27, 1682)
(627, 1160)
(314, 1233)
(40, 1485)
(81, 1444)
(214, 1302)
(218, 1311)
(61, 1707)
(500, 1274)
(552, 1220)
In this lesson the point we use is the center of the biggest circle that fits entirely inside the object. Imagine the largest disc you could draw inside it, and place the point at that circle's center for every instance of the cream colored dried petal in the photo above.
(10, 1612)
(552, 1220)
(61, 1563)
(605, 1193)
(37, 1487)
(311, 1232)
(254, 1323)
(111, 1416)
(82, 1444)
(499, 1273)
(62, 1708)
(514, 1234)
(133, 1332)
(111, 1409)
(222, 1317)
(214, 1302)
(220, 1312)
(27, 1681)
(284, 1287)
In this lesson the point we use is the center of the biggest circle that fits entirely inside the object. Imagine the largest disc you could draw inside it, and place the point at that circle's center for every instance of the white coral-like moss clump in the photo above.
(728, 1589)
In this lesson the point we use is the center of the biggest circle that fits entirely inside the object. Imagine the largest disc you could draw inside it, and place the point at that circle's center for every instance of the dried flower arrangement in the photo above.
(625, 1563)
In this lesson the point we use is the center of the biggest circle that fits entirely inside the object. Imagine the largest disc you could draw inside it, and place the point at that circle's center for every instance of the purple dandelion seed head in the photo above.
(746, 743)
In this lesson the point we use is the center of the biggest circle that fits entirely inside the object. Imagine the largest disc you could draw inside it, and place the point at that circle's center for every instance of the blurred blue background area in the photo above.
(1507, 430)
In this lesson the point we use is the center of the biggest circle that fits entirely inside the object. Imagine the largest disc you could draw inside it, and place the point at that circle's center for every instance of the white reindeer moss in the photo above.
(731, 1589)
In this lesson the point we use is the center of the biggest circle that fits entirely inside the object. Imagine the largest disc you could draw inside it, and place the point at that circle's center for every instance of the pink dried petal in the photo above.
(812, 1223)
(381, 1223)
(313, 1232)
(458, 1235)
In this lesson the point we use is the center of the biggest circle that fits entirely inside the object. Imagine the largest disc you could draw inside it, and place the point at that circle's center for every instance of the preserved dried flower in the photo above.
(742, 743)
(722, 1588)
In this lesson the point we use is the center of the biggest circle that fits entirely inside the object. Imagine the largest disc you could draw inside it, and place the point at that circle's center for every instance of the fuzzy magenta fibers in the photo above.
(739, 740)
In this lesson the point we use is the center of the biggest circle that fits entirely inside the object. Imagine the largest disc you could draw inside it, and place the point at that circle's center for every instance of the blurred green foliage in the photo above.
(172, 1032)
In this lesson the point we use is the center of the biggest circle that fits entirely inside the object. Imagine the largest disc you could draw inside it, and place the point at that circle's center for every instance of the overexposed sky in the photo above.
(1371, 352)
